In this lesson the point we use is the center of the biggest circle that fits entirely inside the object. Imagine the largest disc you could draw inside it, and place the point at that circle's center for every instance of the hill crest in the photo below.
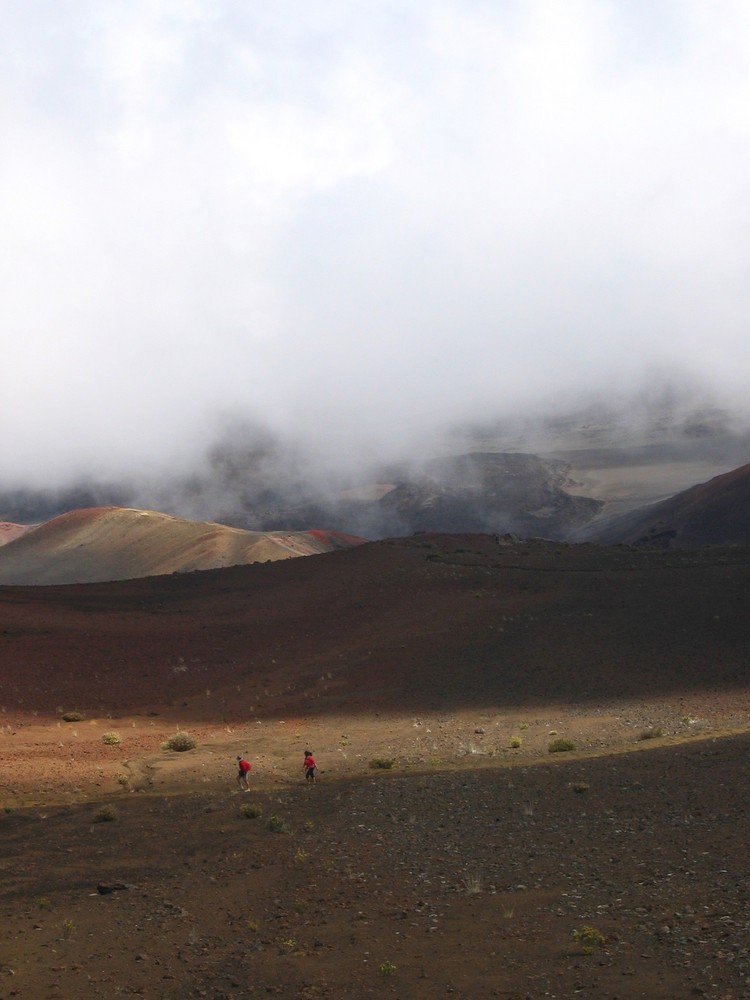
(99, 544)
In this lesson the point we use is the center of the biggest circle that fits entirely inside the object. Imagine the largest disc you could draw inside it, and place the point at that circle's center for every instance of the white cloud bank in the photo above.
(359, 223)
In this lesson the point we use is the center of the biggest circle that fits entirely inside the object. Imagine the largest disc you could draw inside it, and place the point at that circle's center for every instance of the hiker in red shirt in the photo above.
(243, 769)
(309, 766)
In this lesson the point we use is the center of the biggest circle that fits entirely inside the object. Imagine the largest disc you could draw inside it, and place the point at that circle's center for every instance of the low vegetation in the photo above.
(111, 739)
(250, 810)
(180, 742)
(561, 745)
(589, 938)
(652, 733)
(381, 763)
(105, 814)
(72, 716)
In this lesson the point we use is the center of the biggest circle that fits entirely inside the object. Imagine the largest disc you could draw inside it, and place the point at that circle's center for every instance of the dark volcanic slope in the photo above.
(712, 513)
(432, 621)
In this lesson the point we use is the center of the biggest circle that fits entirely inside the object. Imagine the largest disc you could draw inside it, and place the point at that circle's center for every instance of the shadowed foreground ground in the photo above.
(461, 871)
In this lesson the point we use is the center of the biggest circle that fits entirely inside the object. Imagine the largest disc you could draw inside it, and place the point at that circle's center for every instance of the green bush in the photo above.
(561, 746)
(277, 825)
(589, 938)
(250, 810)
(72, 717)
(180, 742)
(381, 763)
(111, 739)
(106, 814)
(515, 742)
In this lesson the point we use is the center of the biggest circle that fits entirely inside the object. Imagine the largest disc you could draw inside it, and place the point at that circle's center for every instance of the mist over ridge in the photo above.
(546, 475)
(355, 235)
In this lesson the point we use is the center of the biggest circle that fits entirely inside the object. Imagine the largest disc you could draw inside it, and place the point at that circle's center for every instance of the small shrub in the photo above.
(111, 739)
(121, 779)
(44, 903)
(250, 810)
(381, 763)
(72, 717)
(474, 884)
(515, 742)
(387, 969)
(253, 926)
(180, 742)
(589, 938)
(300, 854)
(580, 787)
(107, 814)
(652, 733)
(561, 746)
(277, 825)
(67, 927)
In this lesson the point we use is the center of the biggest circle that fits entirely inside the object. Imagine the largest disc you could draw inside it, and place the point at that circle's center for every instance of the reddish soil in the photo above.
(463, 869)
(9, 531)
(99, 544)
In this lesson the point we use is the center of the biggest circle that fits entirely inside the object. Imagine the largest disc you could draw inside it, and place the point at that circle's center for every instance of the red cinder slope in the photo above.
(100, 544)
(9, 531)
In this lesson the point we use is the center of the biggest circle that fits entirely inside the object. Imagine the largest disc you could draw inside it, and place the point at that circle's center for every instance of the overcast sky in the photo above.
(359, 221)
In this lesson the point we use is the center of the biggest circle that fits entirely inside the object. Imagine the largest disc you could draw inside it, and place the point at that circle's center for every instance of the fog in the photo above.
(357, 228)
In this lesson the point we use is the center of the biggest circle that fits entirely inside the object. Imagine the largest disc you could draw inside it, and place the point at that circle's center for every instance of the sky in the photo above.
(358, 224)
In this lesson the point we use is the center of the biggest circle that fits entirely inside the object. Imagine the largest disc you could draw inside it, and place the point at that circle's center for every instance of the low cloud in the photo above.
(359, 229)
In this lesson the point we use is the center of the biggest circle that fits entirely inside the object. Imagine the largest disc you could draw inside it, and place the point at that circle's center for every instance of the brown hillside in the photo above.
(113, 543)
(443, 851)
(423, 623)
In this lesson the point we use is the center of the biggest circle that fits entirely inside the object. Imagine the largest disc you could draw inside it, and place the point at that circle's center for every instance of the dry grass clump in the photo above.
(652, 733)
(111, 739)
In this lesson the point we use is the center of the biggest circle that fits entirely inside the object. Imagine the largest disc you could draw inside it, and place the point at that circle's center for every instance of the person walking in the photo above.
(310, 767)
(243, 770)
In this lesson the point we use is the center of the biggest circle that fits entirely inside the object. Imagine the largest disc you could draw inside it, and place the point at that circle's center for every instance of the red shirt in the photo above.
(309, 762)
(245, 765)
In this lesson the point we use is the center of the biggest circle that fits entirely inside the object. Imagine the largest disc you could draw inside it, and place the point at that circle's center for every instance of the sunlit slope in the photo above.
(10, 531)
(115, 543)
